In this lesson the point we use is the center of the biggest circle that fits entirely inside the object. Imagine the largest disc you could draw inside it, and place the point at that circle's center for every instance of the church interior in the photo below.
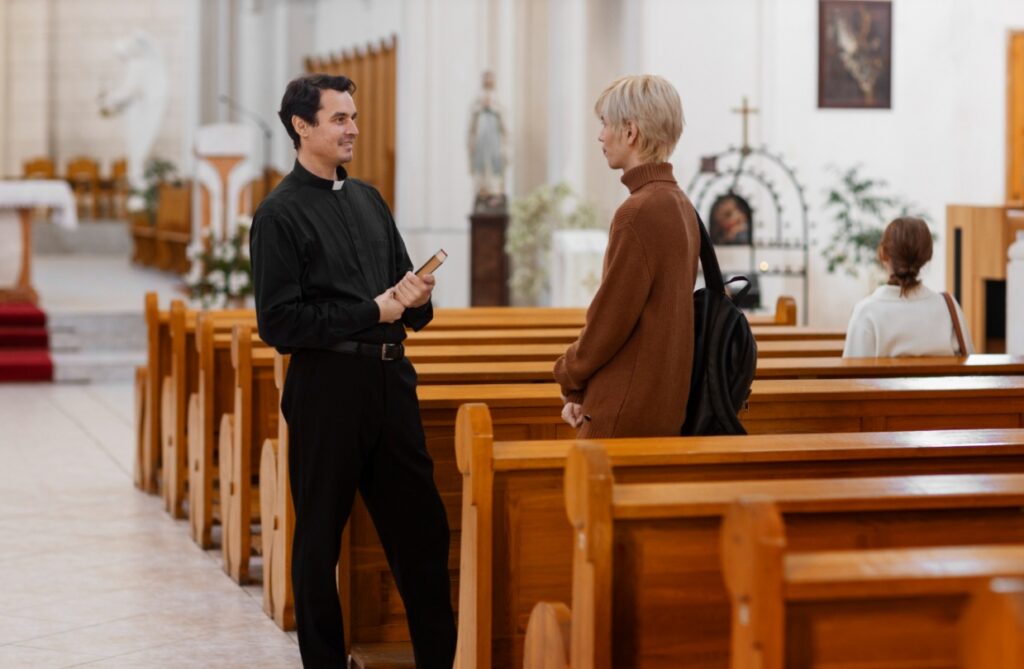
(870, 516)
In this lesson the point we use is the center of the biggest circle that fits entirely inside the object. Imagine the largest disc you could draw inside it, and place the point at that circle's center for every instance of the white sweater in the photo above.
(885, 325)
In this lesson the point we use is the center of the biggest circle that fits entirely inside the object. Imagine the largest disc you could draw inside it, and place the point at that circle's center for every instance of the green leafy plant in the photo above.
(157, 171)
(534, 218)
(221, 275)
(862, 207)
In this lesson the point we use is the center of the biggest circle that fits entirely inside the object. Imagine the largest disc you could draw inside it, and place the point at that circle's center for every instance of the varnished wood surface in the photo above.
(675, 500)
(851, 446)
(830, 367)
(897, 572)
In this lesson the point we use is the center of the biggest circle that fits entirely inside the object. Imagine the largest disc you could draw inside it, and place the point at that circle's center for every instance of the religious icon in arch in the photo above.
(855, 54)
(730, 220)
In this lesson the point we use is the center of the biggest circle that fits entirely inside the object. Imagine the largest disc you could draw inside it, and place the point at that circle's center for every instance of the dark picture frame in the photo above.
(855, 54)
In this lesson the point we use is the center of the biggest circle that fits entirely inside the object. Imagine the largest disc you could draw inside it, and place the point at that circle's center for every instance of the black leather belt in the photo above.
(388, 352)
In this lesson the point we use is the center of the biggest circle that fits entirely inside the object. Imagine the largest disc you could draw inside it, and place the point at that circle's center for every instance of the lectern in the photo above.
(977, 239)
(17, 201)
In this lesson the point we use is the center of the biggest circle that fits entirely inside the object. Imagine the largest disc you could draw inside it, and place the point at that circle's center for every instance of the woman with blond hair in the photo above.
(628, 373)
(905, 317)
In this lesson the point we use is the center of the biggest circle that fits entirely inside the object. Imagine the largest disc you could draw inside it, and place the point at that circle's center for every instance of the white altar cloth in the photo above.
(29, 194)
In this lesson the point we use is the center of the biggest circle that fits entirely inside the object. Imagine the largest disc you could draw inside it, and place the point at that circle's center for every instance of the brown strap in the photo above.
(956, 323)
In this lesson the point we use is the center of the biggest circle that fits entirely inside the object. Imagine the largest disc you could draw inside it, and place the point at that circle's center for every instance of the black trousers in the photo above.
(354, 423)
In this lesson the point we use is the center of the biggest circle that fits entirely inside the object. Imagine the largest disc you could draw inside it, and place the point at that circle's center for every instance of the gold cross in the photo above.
(746, 110)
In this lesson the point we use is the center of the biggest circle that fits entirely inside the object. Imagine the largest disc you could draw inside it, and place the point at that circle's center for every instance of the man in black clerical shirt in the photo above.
(334, 288)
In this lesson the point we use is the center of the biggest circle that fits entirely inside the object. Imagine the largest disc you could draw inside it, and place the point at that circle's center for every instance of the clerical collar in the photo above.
(309, 179)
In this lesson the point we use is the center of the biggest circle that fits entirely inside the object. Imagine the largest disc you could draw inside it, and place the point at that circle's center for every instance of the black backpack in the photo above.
(724, 352)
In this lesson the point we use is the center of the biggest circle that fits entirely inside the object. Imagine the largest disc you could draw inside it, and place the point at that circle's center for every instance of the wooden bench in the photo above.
(662, 602)
(865, 608)
(214, 397)
(533, 317)
(530, 411)
(517, 543)
(178, 389)
(252, 421)
(833, 368)
(992, 635)
(456, 370)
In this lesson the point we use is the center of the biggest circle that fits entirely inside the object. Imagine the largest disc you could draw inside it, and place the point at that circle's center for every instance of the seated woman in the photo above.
(904, 317)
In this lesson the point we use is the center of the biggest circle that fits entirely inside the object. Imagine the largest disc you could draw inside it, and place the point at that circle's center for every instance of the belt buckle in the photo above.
(389, 352)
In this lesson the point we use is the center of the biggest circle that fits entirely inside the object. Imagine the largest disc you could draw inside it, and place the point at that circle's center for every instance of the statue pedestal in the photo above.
(489, 265)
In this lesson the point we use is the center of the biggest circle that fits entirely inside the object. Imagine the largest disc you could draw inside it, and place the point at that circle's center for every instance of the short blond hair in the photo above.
(653, 104)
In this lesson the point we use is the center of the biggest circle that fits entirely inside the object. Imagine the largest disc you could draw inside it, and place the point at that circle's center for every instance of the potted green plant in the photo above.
(534, 218)
(144, 203)
(861, 206)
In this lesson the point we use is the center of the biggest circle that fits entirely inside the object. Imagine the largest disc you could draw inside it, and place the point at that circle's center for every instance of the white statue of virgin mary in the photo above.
(140, 97)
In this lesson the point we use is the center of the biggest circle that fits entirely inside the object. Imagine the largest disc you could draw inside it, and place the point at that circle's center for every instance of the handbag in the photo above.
(956, 323)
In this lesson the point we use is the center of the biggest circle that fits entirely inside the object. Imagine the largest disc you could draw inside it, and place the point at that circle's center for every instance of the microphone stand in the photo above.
(267, 136)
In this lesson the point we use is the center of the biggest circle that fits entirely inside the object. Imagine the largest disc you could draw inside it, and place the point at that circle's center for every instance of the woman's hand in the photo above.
(572, 414)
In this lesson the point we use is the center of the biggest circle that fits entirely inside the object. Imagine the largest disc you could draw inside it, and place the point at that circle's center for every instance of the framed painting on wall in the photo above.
(855, 54)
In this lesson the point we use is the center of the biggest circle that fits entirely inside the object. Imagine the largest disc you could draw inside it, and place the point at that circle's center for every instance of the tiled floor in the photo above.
(94, 573)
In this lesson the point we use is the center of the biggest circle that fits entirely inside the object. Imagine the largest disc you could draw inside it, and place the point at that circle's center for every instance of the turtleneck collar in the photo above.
(307, 178)
(641, 175)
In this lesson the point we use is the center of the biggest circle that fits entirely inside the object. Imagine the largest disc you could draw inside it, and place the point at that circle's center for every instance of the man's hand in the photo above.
(390, 308)
(413, 291)
(572, 414)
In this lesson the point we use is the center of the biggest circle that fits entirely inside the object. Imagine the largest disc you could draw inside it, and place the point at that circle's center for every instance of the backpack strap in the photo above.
(956, 323)
(708, 259)
(713, 280)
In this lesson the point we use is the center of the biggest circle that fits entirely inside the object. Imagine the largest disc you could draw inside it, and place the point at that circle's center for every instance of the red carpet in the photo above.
(24, 344)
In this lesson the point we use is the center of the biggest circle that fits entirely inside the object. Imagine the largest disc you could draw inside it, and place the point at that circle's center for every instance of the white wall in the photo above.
(57, 64)
(943, 141)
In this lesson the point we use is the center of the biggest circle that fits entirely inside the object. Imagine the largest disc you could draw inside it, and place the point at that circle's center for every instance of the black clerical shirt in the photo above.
(320, 256)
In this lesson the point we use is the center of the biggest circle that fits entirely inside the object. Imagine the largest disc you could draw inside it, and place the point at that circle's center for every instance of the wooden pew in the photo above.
(277, 516)
(663, 593)
(534, 317)
(864, 608)
(158, 365)
(834, 368)
(885, 404)
(530, 411)
(242, 433)
(214, 397)
(178, 387)
(496, 335)
(992, 635)
(456, 370)
(517, 543)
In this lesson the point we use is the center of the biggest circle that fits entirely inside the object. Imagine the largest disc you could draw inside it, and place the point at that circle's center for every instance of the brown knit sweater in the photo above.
(631, 365)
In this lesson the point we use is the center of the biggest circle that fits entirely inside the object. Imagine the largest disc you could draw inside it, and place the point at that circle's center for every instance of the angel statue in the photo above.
(141, 97)
(488, 149)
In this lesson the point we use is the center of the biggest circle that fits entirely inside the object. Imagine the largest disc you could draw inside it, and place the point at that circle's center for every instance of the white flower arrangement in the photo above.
(221, 274)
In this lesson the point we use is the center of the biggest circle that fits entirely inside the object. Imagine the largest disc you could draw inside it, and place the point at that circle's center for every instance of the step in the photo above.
(21, 315)
(101, 331)
(25, 365)
(23, 337)
(96, 366)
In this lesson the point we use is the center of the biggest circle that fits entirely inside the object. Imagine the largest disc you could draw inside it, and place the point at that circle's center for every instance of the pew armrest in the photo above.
(548, 637)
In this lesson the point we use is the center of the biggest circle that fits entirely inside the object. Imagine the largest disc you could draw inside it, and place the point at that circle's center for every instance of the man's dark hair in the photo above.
(302, 99)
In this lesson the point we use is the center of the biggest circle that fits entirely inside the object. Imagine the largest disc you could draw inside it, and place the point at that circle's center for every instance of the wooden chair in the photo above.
(174, 227)
(864, 608)
(114, 190)
(84, 176)
(39, 168)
